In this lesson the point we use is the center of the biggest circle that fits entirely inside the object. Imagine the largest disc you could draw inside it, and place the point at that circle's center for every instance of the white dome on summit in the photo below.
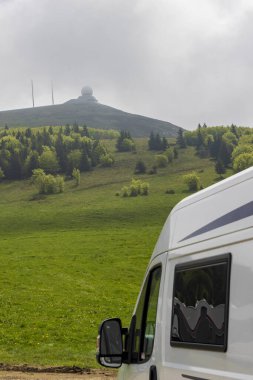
(86, 96)
(87, 90)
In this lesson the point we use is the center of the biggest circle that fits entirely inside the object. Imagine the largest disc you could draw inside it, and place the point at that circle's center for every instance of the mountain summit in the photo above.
(87, 110)
(86, 97)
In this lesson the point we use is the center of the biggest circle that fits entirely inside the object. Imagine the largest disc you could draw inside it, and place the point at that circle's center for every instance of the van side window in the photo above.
(201, 303)
(144, 333)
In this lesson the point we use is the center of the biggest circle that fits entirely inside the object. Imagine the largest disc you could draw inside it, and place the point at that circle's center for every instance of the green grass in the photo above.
(70, 260)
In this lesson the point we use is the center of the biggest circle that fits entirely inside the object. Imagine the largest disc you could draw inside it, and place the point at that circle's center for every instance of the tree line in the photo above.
(54, 150)
(229, 146)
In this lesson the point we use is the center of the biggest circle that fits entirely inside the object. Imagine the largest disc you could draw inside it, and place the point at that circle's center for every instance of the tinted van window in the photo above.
(200, 303)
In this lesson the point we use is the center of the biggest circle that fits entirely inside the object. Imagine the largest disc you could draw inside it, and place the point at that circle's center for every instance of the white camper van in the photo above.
(194, 315)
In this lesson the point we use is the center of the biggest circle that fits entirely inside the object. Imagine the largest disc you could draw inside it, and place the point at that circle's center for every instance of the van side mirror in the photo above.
(110, 343)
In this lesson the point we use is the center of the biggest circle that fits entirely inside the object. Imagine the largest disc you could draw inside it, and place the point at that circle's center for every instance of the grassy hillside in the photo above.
(72, 259)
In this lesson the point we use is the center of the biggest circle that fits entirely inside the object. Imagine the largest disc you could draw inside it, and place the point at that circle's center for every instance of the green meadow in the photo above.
(70, 260)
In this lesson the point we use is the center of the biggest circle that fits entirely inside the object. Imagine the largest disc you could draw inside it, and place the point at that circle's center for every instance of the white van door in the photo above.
(146, 348)
(195, 335)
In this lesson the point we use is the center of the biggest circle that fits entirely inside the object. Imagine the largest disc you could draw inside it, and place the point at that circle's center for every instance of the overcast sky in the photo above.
(183, 61)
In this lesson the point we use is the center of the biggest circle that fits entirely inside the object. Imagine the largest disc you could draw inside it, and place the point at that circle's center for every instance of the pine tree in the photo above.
(151, 141)
(28, 133)
(76, 127)
(233, 129)
(125, 142)
(200, 140)
(84, 131)
(67, 130)
(180, 139)
(220, 168)
(85, 164)
(165, 143)
(46, 137)
(158, 142)
(15, 166)
(32, 163)
(61, 153)
(224, 154)
(140, 167)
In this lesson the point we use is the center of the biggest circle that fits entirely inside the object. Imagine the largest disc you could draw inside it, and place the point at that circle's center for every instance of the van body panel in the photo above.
(223, 209)
(211, 223)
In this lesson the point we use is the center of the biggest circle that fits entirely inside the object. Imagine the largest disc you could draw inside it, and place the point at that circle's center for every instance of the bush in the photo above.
(140, 167)
(161, 160)
(38, 179)
(48, 161)
(76, 176)
(144, 188)
(124, 191)
(107, 160)
(127, 145)
(74, 160)
(243, 161)
(60, 183)
(50, 184)
(192, 181)
(242, 148)
(137, 187)
(47, 183)
(125, 142)
(170, 154)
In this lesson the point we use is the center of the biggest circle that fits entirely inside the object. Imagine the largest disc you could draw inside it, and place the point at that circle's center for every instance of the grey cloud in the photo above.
(184, 63)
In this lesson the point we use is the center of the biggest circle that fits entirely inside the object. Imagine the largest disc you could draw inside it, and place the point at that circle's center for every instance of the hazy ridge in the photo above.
(94, 115)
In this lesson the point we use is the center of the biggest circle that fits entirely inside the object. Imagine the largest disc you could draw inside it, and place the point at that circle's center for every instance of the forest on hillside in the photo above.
(229, 146)
(62, 150)
(54, 150)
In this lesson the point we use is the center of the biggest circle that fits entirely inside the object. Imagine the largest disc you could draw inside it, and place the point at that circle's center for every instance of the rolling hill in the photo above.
(86, 110)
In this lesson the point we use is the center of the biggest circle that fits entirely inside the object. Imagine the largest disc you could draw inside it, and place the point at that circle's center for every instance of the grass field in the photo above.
(70, 260)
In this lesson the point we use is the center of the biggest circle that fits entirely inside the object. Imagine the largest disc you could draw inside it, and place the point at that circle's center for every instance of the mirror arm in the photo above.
(127, 355)
(124, 332)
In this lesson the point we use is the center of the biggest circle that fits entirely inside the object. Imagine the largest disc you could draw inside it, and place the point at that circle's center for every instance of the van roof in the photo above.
(216, 211)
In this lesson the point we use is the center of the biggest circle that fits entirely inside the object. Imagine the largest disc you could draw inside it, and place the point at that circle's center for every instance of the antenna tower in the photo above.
(32, 93)
(52, 92)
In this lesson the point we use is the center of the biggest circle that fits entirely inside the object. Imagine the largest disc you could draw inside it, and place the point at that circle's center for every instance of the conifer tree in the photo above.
(151, 141)
(220, 168)
(125, 142)
(67, 130)
(15, 166)
(140, 167)
(180, 139)
(165, 143)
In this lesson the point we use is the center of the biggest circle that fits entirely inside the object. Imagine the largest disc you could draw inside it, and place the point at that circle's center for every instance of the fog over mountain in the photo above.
(176, 60)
